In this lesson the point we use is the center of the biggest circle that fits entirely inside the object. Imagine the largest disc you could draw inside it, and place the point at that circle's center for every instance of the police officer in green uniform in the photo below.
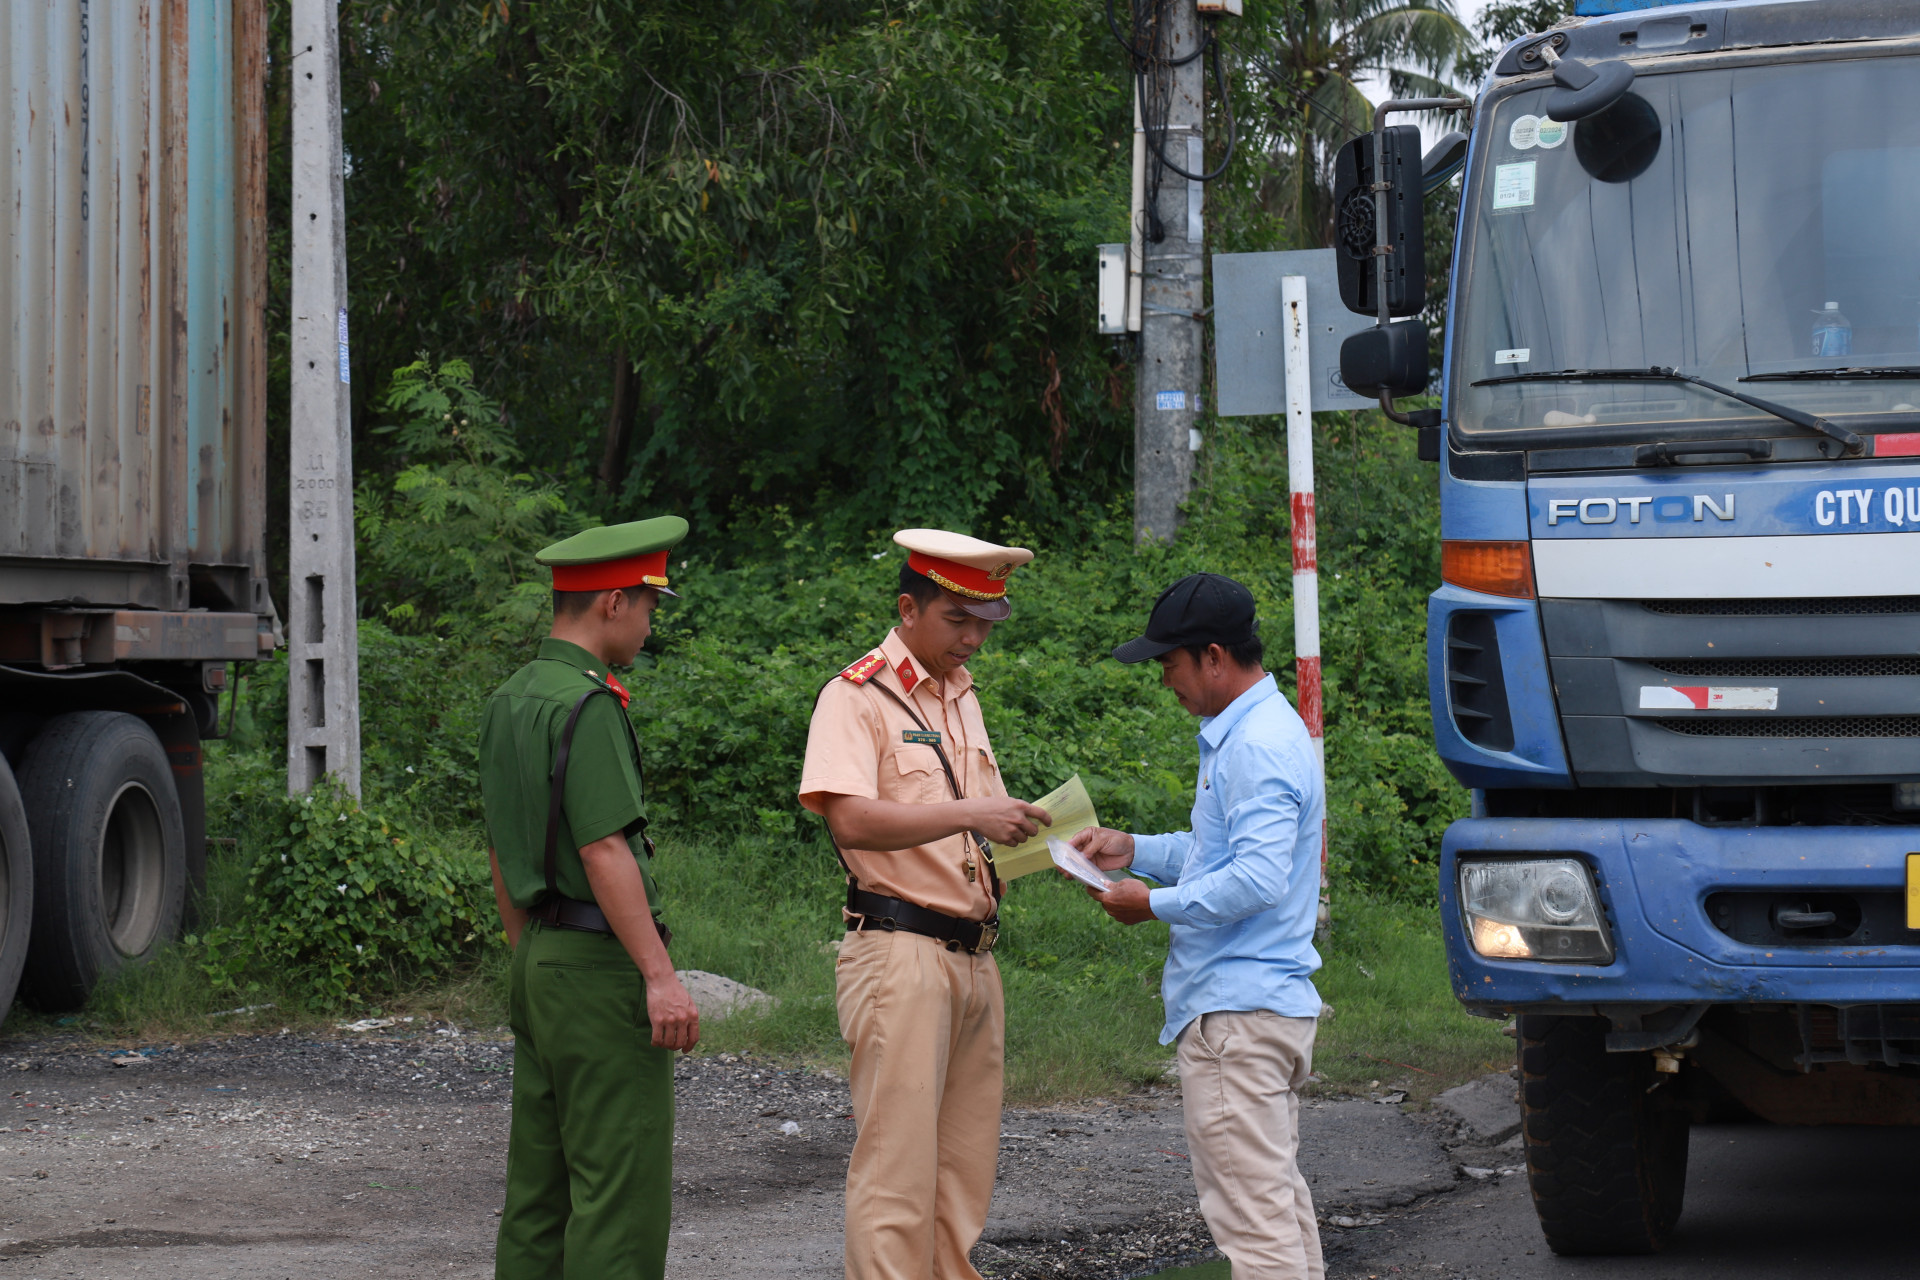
(596, 1008)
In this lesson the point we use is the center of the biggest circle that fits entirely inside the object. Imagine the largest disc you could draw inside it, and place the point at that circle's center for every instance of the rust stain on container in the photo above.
(133, 361)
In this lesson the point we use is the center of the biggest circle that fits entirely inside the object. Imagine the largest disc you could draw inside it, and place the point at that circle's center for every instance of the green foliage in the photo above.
(340, 904)
(461, 521)
(837, 254)
(1306, 65)
(729, 681)
(1504, 21)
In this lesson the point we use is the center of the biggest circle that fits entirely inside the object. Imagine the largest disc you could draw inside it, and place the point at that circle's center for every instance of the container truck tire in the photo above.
(1606, 1150)
(109, 853)
(16, 887)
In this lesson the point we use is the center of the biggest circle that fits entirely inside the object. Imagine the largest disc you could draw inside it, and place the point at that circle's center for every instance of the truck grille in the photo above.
(1787, 668)
(1818, 607)
(1796, 727)
(1839, 673)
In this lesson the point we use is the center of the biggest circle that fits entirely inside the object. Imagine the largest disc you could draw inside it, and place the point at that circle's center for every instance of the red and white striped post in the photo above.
(1306, 567)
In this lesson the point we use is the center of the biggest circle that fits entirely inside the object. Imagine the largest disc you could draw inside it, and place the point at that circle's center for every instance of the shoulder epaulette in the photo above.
(863, 670)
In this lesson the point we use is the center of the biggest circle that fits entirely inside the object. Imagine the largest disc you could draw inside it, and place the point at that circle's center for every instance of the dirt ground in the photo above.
(382, 1154)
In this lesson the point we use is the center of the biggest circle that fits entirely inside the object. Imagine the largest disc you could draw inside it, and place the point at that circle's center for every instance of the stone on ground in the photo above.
(716, 997)
(1486, 1106)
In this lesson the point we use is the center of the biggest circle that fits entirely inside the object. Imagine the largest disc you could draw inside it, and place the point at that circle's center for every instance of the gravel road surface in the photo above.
(382, 1155)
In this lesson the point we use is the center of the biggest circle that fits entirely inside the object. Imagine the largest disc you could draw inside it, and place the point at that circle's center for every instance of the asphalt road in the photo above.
(286, 1157)
(1762, 1202)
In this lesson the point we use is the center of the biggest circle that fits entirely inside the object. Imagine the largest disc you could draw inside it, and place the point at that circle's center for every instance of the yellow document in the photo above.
(1071, 809)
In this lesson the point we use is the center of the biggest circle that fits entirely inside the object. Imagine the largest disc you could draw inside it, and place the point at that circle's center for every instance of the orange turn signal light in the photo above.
(1497, 568)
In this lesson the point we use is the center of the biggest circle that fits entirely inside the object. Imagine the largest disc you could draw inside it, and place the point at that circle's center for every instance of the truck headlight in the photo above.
(1534, 909)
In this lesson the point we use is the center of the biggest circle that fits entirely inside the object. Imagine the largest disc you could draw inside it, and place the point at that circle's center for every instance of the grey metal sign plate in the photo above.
(1249, 361)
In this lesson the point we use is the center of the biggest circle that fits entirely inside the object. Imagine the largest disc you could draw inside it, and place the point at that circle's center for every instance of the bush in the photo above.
(723, 693)
(341, 905)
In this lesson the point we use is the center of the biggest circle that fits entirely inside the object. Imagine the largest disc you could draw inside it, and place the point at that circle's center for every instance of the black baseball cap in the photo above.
(1201, 608)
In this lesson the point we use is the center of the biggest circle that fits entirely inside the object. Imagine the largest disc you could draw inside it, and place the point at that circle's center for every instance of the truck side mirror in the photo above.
(1388, 359)
(1353, 228)
(1448, 157)
(1581, 90)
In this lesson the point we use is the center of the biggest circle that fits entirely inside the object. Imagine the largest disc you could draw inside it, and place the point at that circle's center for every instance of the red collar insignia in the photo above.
(908, 678)
(619, 691)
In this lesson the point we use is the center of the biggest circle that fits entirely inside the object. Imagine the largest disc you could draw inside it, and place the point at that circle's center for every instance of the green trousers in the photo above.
(590, 1156)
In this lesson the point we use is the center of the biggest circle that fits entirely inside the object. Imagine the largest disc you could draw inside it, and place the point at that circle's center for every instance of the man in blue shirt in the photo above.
(1241, 890)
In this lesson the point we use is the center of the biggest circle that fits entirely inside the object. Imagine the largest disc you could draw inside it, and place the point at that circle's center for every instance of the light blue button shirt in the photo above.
(1243, 887)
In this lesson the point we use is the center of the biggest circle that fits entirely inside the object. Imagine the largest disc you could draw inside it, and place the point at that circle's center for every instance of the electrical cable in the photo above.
(1226, 105)
(1150, 65)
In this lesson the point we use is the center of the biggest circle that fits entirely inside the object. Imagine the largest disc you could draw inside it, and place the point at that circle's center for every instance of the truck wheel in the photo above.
(1606, 1158)
(16, 887)
(109, 853)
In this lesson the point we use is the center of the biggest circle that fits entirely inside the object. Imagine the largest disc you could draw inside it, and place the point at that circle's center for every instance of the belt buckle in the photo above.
(989, 935)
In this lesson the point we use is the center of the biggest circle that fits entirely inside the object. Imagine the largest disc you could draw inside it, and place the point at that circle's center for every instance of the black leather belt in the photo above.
(586, 917)
(870, 909)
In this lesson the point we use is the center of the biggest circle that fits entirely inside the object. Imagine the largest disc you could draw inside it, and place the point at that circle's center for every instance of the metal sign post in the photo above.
(1306, 565)
(1249, 361)
(323, 651)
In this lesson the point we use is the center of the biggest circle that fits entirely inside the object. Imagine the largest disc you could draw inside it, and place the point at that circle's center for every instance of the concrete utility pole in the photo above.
(323, 650)
(1171, 373)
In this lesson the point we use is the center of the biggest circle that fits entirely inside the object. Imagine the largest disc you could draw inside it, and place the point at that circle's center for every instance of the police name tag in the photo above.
(930, 737)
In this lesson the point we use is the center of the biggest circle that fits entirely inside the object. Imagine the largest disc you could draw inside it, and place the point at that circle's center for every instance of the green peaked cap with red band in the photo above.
(615, 555)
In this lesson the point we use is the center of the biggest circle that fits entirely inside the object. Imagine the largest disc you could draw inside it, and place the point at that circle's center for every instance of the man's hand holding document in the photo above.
(1071, 809)
(1074, 863)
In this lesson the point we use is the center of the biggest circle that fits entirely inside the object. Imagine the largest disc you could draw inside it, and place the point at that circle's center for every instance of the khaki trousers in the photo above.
(928, 1030)
(1239, 1076)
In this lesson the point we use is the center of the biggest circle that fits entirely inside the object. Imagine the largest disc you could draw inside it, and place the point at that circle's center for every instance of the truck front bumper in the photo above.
(1655, 877)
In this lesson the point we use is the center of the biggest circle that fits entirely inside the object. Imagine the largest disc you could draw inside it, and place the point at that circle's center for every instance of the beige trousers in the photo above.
(1239, 1077)
(928, 1031)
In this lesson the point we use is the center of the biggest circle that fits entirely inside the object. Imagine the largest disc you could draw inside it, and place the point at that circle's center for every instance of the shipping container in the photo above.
(132, 459)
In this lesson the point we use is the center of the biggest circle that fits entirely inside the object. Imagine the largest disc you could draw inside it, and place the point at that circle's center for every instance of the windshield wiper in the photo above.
(1852, 443)
(1848, 374)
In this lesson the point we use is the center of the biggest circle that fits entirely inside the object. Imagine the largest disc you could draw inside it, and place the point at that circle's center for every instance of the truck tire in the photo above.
(16, 887)
(1606, 1151)
(109, 853)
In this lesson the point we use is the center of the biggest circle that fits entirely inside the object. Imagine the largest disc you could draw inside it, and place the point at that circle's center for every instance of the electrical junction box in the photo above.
(1113, 288)
(1218, 8)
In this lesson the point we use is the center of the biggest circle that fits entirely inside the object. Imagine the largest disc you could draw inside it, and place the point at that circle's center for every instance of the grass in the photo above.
(1395, 1020)
(1083, 1005)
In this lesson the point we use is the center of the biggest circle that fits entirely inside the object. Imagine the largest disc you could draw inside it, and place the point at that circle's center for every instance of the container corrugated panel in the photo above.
(132, 363)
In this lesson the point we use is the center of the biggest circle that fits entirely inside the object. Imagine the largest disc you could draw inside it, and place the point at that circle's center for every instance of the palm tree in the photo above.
(1312, 54)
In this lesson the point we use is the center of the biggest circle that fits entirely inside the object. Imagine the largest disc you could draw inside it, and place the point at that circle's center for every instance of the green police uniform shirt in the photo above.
(519, 738)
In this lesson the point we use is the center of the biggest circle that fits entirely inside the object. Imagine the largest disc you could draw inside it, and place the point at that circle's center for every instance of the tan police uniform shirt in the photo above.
(859, 744)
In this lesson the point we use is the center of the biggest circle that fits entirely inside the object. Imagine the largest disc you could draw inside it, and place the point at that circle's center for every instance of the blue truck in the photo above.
(1676, 650)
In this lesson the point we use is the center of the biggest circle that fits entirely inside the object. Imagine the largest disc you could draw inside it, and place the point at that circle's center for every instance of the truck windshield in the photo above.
(1731, 223)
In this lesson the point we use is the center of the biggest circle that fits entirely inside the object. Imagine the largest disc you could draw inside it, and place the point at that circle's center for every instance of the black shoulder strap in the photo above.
(986, 850)
(953, 783)
(558, 795)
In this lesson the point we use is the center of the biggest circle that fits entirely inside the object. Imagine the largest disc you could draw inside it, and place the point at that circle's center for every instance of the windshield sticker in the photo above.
(1524, 133)
(1550, 134)
(1513, 185)
(1513, 355)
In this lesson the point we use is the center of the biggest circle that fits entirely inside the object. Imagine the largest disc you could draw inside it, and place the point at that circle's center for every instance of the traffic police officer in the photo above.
(595, 1006)
(899, 764)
